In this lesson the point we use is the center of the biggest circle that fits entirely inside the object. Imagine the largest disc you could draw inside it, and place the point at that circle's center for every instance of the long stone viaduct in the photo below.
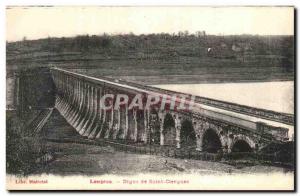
(211, 125)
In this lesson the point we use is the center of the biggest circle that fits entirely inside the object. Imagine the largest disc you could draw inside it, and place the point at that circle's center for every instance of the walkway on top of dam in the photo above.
(285, 118)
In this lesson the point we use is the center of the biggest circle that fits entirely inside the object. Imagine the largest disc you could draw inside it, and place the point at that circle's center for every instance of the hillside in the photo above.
(162, 58)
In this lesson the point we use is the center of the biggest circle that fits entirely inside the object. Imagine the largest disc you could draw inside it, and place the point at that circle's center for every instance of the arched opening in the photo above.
(122, 134)
(187, 134)
(105, 126)
(140, 125)
(241, 146)
(155, 128)
(131, 126)
(169, 130)
(211, 141)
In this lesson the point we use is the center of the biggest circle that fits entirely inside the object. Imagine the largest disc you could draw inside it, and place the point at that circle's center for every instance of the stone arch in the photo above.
(131, 125)
(241, 143)
(241, 146)
(154, 136)
(201, 127)
(169, 131)
(211, 140)
(140, 125)
(123, 126)
(187, 133)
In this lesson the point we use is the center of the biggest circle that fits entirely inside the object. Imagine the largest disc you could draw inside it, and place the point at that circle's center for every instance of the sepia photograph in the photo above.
(150, 98)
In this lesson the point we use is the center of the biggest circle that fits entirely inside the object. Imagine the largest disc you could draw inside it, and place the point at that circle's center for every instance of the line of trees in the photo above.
(181, 41)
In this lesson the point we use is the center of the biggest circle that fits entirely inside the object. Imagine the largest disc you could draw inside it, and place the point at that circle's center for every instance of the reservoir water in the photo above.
(276, 96)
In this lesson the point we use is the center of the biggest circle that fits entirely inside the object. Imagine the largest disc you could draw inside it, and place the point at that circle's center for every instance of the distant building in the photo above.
(200, 33)
(220, 51)
(236, 48)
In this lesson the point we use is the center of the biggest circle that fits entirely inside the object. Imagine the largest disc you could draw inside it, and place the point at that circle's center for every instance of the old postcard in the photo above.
(150, 98)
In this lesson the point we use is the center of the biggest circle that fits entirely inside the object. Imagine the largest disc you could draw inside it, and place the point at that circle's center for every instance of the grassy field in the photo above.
(162, 58)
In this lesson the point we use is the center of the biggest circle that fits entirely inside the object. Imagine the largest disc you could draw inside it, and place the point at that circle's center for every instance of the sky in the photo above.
(41, 22)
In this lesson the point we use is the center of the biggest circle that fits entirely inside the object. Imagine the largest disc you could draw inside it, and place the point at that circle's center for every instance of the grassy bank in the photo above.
(22, 148)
